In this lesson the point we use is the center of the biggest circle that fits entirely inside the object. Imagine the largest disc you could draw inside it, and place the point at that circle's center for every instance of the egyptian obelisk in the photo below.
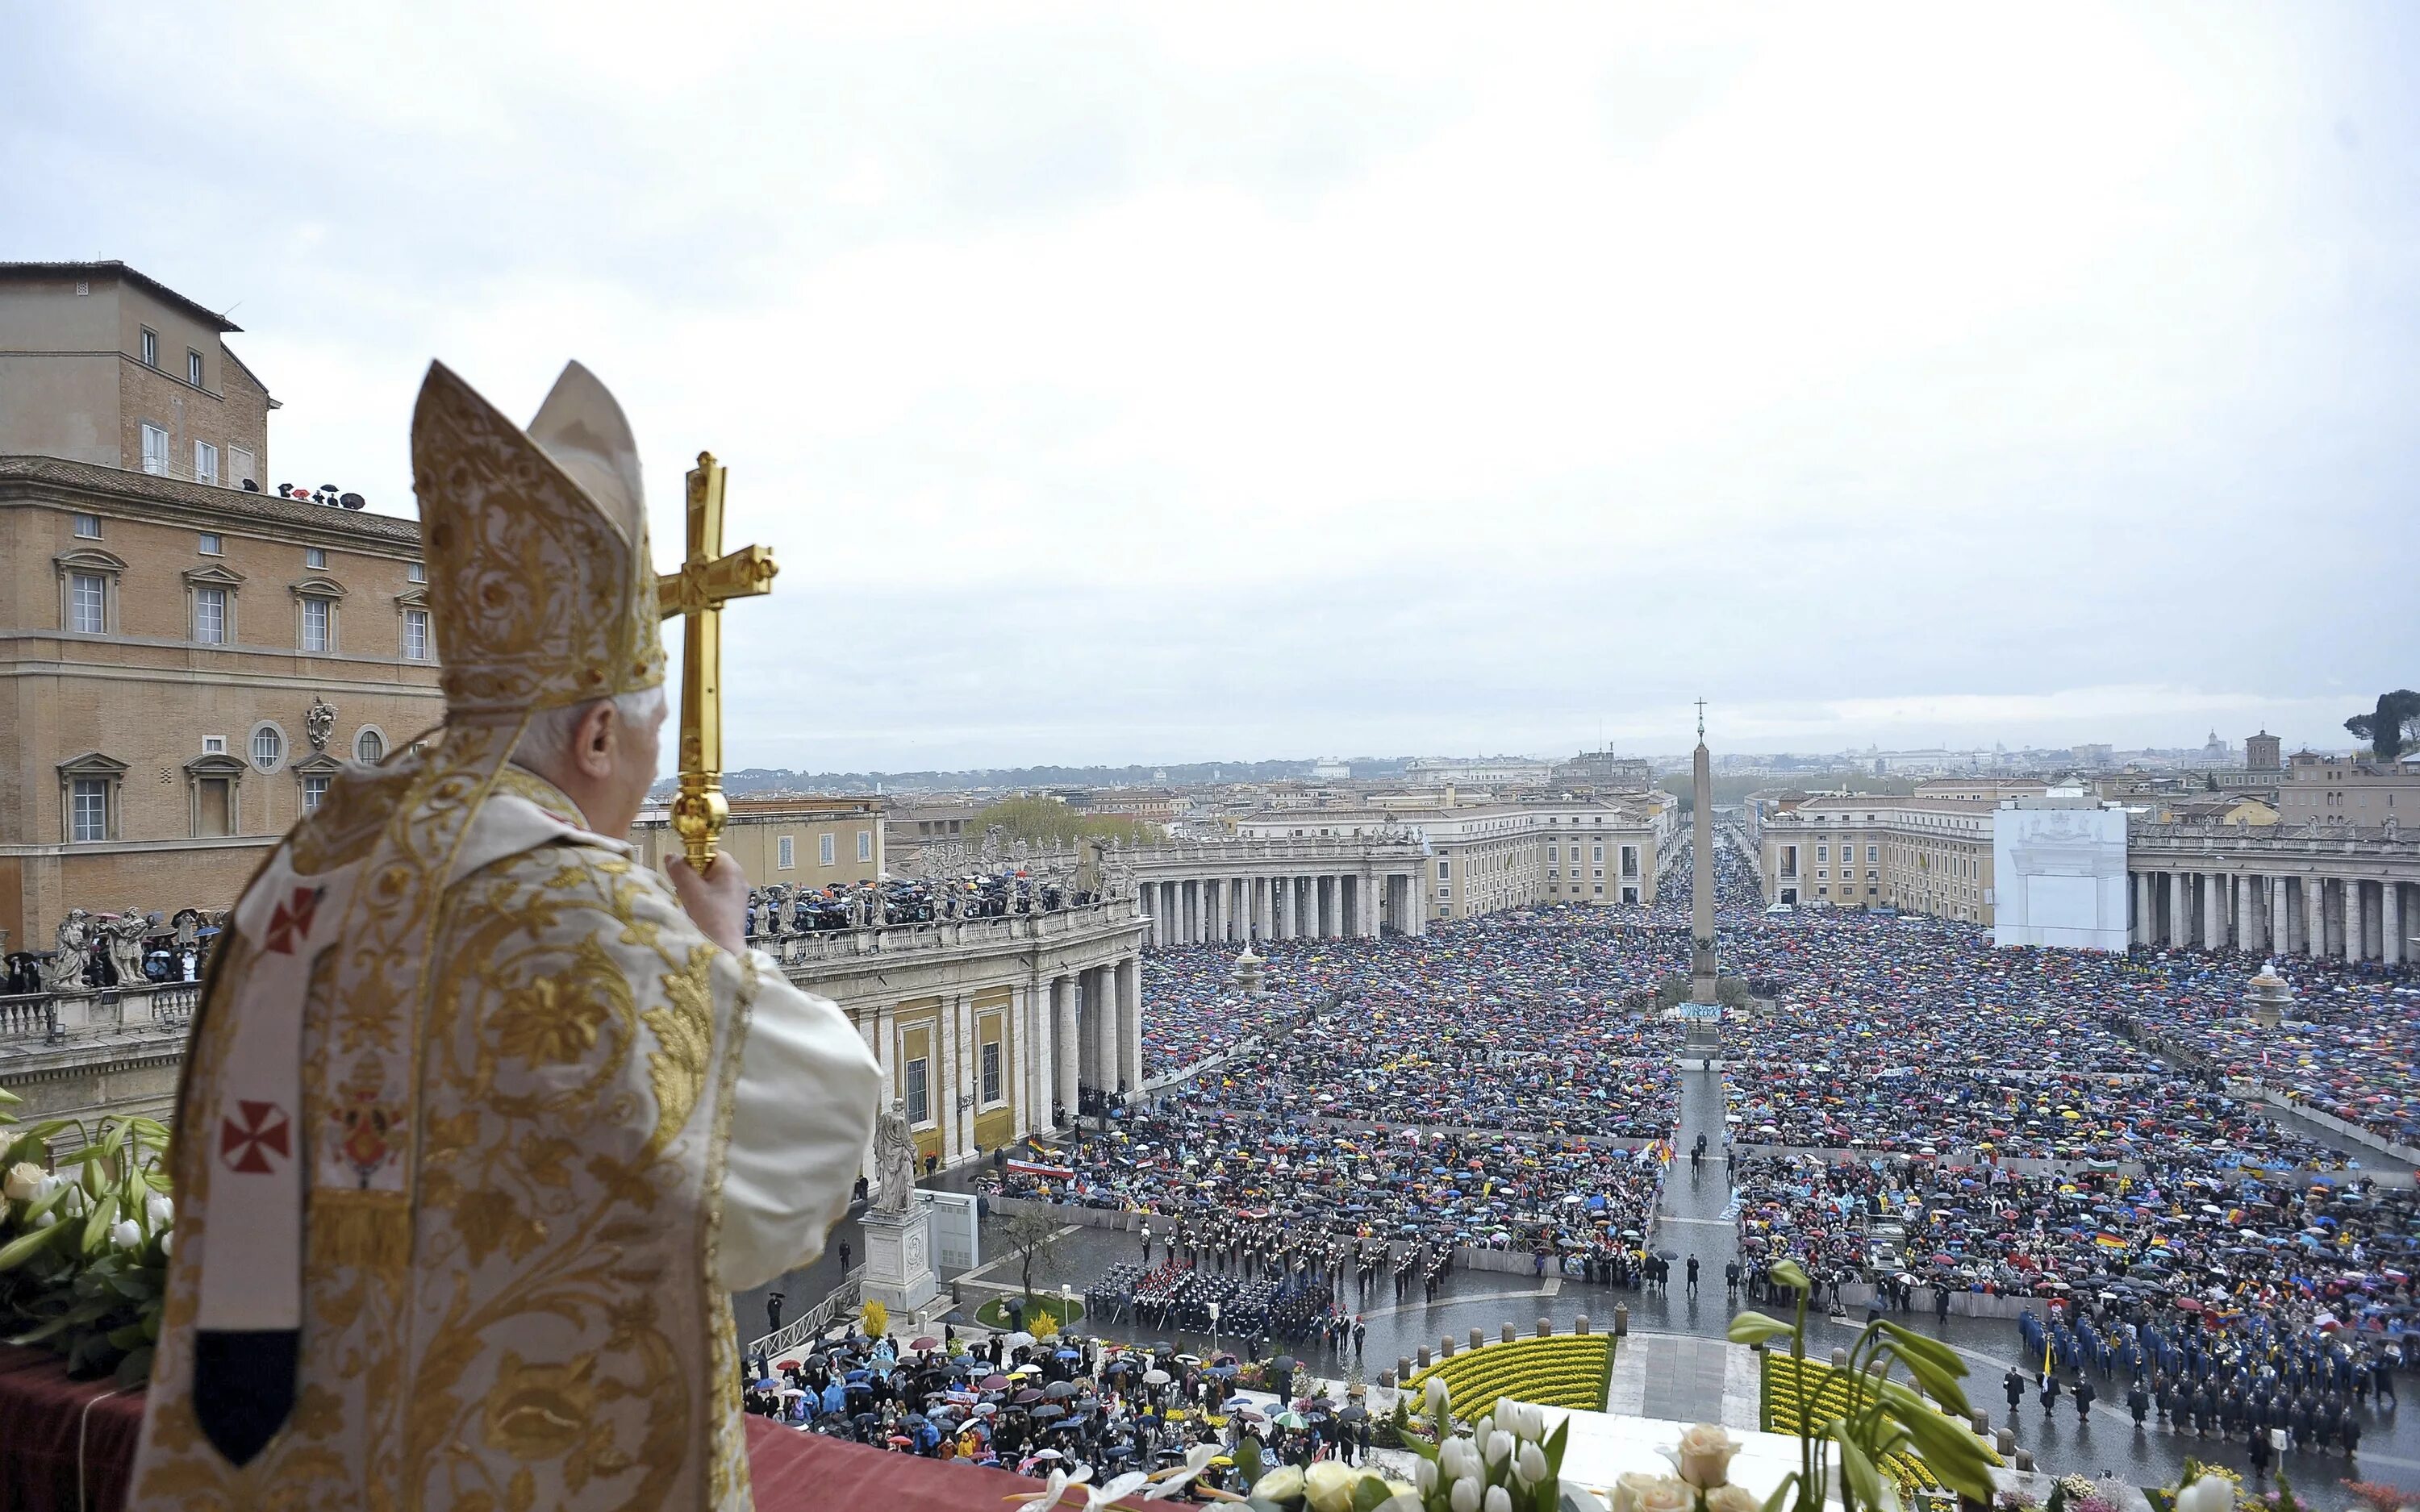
(1701, 869)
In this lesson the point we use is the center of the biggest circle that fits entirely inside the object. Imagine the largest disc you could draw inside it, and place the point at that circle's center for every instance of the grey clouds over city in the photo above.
(1121, 386)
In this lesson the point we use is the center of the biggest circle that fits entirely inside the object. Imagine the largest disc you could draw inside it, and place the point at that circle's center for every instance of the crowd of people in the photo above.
(1909, 1110)
(1034, 1406)
(1236, 1179)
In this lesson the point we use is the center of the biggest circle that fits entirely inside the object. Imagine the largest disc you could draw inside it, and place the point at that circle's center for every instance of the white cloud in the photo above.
(1120, 383)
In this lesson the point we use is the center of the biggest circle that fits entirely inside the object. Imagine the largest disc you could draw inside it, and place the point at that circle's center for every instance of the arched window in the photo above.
(268, 746)
(370, 746)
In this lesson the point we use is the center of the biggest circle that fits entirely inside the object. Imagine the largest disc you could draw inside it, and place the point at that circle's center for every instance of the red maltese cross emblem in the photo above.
(289, 924)
(252, 1134)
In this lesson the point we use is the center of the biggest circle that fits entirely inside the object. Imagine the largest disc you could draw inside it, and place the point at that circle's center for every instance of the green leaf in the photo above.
(1367, 1492)
(135, 1368)
(1909, 1344)
(1554, 1446)
(1780, 1497)
(1787, 1273)
(1953, 1454)
(1863, 1480)
(96, 1228)
(1756, 1328)
(25, 1246)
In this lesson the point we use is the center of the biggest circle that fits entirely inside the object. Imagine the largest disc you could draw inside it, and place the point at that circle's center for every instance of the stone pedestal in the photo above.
(899, 1259)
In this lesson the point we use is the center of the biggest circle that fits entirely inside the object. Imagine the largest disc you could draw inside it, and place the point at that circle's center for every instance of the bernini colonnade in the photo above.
(1230, 891)
(2331, 891)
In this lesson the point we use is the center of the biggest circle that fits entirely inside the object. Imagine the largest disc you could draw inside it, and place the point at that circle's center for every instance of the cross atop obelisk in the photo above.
(696, 593)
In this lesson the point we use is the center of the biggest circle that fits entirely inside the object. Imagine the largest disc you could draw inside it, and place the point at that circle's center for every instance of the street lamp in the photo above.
(1066, 1309)
(1214, 1330)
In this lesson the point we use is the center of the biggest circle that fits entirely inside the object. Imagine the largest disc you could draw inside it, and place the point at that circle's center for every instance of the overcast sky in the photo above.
(1166, 383)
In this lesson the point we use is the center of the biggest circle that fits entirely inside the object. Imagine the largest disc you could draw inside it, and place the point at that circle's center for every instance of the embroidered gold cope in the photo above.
(538, 1159)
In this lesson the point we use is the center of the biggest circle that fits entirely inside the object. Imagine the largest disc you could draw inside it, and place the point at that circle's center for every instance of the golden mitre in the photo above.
(541, 584)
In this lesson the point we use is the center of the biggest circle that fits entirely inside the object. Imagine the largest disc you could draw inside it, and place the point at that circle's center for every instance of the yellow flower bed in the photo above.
(1565, 1370)
(1826, 1393)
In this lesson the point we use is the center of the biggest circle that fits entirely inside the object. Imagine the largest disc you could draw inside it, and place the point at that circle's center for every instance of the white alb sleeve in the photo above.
(802, 1118)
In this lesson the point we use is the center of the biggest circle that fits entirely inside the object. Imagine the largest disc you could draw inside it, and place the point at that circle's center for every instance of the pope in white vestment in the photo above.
(479, 1127)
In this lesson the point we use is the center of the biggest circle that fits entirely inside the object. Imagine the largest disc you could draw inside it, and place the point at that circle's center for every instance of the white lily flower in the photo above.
(158, 1212)
(1174, 1478)
(1125, 1484)
(126, 1234)
(1053, 1488)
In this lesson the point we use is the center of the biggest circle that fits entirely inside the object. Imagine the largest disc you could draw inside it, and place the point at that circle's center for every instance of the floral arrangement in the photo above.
(874, 1318)
(84, 1242)
(1562, 1370)
(1877, 1419)
(2204, 1487)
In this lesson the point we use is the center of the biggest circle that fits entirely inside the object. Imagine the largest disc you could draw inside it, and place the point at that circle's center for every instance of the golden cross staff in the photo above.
(696, 593)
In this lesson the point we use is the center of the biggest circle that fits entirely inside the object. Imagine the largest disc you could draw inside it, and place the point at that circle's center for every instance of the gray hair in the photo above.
(547, 743)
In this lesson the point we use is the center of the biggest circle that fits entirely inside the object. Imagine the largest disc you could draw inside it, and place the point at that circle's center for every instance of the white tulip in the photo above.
(126, 1234)
(1530, 1464)
(1283, 1483)
(1456, 1460)
(158, 1212)
(24, 1181)
(166, 1240)
(1465, 1496)
(1528, 1421)
(1485, 1426)
(1500, 1447)
(1497, 1500)
(2209, 1494)
(1424, 1475)
(1328, 1484)
(1438, 1402)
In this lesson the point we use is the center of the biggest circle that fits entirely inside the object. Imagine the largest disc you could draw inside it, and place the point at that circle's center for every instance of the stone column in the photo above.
(2281, 935)
(2315, 917)
(2347, 920)
(2181, 895)
(1129, 973)
(1032, 1059)
(2248, 925)
(941, 1079)
(2213, 918)
(2141, 934)
(1088, 1072)
(1331, 907)
(1063, 1041)
(1281, 907)
(970, 1072)
(2391, 927)
(1105, 1054)
(2372, 908)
